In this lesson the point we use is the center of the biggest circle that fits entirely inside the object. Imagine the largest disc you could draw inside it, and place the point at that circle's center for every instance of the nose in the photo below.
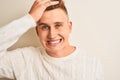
(52, 33)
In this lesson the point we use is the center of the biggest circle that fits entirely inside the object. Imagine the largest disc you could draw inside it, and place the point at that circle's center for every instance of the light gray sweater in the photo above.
(32, 63)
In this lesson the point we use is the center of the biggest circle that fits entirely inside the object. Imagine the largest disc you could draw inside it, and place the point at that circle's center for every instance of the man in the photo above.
(58, 60)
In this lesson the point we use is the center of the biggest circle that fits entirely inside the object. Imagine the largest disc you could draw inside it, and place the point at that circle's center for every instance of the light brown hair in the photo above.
(60, 5)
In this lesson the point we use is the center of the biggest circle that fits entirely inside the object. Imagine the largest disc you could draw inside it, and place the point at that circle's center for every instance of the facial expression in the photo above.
(53, 30)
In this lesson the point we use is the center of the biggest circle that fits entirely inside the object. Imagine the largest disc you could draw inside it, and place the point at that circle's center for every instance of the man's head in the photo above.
(61, 5)
(54, 28)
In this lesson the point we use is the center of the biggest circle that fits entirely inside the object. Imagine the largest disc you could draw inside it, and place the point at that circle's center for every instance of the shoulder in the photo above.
(86, 57)
(21, 54)
(24, 50)
(89, 62)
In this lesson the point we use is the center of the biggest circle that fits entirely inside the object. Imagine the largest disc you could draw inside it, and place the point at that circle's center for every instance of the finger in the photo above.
(44, 1)
(49, 3)
(36, 2)
(40, 2)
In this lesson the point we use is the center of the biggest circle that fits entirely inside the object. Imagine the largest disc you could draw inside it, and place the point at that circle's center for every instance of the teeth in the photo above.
(54, 42)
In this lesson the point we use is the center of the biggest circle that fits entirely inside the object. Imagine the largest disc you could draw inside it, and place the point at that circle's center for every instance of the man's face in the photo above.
(53, 30)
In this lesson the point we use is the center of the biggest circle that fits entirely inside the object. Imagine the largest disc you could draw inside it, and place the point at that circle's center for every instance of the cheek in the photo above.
(66, 29)
(42, 35)
(65, 33)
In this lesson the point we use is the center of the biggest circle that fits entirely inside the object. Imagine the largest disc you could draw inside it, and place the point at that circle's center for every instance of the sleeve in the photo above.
(99, 71)
(9, 34)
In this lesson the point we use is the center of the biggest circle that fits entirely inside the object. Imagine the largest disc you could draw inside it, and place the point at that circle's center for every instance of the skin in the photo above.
(53, 29)
(53, 32)
(39, 7)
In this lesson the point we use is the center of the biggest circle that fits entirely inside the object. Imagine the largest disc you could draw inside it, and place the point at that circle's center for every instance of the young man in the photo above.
(58, 60)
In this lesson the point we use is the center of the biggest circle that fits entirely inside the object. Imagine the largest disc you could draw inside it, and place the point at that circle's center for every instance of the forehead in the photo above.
(54, 15)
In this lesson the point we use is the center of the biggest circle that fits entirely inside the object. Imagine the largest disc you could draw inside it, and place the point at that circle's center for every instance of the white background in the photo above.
(96, 28)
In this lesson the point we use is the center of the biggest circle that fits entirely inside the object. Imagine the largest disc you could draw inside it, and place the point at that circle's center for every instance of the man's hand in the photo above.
(39, 7)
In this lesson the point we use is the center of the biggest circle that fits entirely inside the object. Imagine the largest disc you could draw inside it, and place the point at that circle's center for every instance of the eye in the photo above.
(58, 26)
(44, 27)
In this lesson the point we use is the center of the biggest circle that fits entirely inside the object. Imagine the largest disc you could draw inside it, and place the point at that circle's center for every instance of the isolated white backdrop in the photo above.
(96, 28)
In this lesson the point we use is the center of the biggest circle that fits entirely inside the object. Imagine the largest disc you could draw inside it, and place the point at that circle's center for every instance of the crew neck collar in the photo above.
(70, 56)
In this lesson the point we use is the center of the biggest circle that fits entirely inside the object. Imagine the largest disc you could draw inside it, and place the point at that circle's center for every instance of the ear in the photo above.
(70, 26)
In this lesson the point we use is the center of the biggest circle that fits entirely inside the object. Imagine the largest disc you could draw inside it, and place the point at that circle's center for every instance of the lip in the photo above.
(54, 42)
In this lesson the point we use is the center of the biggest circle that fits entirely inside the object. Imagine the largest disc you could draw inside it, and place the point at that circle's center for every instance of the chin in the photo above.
(54, 50)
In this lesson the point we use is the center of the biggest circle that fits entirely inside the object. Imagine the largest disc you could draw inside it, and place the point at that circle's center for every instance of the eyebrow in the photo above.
(39, 24)
(58, 23)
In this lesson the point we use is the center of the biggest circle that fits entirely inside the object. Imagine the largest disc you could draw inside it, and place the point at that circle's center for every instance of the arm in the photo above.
(10, 33)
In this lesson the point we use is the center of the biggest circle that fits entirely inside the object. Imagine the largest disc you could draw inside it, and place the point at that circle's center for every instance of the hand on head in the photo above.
(39, 7)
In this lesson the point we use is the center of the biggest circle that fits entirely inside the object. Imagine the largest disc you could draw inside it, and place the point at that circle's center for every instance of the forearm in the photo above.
(10, 33)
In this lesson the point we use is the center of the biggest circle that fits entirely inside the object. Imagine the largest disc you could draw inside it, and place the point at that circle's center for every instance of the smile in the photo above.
(54, 42)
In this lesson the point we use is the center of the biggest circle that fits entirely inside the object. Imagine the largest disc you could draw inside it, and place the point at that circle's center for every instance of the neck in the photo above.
(64, 52)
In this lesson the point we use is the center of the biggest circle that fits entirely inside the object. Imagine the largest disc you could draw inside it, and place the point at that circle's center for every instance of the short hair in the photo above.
(60, 5)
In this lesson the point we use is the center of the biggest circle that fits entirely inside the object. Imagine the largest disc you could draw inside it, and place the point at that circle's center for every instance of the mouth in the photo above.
(54, 42)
